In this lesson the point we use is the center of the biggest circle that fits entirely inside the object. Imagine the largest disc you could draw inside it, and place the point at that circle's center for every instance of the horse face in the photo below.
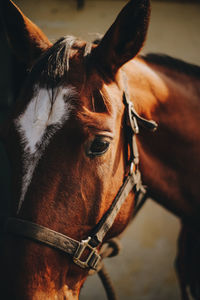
(66, 145)
(70, 148)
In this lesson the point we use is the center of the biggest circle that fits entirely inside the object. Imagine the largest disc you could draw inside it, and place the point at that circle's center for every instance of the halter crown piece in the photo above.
(85, 253)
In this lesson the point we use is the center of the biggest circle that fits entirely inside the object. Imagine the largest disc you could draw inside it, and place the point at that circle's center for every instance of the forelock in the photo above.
(53, 66)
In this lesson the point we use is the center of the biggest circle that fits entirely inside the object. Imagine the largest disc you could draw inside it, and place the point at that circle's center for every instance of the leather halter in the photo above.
(85, 253)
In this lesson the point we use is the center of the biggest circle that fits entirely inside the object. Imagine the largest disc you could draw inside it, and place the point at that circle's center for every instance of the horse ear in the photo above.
(27, 41)
(125, 38)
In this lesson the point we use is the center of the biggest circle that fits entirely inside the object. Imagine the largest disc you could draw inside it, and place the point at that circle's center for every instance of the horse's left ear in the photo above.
(27, 41)
(125, 38)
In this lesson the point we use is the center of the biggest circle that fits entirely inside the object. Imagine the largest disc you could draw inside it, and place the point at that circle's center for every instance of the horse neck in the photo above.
(169, 158)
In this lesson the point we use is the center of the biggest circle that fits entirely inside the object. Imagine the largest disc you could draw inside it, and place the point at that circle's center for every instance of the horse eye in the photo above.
(98, 147)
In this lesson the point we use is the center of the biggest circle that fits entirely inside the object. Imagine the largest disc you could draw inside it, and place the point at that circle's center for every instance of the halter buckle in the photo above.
(132, 118)
(92, 258)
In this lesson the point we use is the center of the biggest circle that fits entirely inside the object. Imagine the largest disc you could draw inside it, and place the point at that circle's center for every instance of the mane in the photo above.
(173, 63)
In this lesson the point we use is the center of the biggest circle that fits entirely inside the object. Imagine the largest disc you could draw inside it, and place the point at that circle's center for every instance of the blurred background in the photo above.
(144, 269)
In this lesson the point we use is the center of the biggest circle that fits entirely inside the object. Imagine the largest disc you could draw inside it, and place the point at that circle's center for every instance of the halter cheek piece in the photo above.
(85, 253)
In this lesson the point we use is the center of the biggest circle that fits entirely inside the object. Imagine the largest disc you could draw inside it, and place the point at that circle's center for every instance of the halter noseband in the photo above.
(85, 253)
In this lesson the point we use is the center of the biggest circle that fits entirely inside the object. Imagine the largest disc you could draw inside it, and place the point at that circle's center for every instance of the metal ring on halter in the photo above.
(131, 170)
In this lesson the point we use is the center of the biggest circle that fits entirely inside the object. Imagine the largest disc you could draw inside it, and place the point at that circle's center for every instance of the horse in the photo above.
(71, 141)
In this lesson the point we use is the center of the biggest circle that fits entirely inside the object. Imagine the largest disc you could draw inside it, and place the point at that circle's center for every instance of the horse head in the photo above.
(67, 146)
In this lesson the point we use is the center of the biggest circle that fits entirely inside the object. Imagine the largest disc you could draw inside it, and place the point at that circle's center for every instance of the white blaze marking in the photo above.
(33, 125)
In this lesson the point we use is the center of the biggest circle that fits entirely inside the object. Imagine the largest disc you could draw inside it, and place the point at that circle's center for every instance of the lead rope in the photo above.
(107, 284)
(109, 249)
(112, 249)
